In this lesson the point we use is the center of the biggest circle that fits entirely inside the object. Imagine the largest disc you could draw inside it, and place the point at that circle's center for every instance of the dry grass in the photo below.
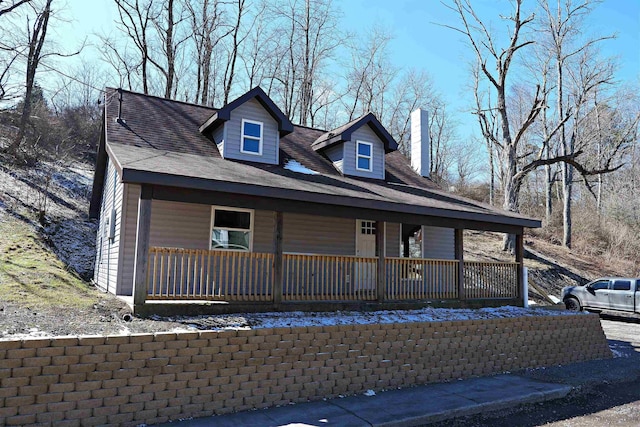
(32, 275)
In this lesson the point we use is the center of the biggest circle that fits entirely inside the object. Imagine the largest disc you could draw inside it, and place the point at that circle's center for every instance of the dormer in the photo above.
(249, 128)
(358, 147)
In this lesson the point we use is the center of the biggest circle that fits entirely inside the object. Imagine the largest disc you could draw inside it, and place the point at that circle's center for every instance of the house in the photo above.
(239, 208)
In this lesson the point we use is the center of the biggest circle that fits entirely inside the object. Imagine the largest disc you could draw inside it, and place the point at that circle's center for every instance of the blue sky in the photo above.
(422, 41)
(419, 40)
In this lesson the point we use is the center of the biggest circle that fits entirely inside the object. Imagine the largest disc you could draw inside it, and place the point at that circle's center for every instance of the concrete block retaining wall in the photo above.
(153, 378)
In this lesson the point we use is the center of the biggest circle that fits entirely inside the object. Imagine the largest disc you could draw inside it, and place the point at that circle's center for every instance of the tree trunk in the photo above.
(492, 176)
(36, 41)
(567, 194)
(548, 194)
(234, 53)
(511, 189)
(171, 66)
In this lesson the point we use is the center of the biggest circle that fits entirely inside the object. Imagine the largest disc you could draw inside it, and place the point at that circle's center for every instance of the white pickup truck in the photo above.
(609, 293)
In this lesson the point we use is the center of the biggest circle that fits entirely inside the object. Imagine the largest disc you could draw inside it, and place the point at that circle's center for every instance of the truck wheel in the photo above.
(572, 304)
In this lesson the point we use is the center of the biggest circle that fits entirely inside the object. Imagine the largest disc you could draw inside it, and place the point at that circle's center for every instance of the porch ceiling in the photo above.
(202, 179)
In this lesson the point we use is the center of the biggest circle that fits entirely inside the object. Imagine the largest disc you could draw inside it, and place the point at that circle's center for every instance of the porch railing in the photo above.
(209, 275)
(328, 277)
(415, 278)
(175, 273)
(490, 280)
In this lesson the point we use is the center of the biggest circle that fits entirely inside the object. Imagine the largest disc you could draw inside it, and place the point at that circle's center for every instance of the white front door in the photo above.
(365, 247)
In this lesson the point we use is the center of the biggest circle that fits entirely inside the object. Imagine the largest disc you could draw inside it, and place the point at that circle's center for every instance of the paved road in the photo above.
(623, 335)
(604, 404)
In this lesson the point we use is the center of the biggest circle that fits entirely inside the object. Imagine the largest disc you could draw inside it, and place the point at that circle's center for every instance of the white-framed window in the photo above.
(364, 156)
(231, 229)
(251, 140)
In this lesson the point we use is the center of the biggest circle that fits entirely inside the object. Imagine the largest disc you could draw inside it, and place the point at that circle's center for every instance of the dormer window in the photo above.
(251, 137)
(364, 155)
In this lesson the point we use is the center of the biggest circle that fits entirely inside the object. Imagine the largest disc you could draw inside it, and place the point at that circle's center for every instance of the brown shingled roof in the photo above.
(157, 142)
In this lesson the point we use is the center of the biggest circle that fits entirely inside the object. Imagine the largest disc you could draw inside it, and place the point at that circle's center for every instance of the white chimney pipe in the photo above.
(420, 158)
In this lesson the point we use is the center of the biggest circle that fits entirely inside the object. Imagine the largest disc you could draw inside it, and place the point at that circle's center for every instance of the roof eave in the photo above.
(133, 176)
(326, 143)
(212, 122)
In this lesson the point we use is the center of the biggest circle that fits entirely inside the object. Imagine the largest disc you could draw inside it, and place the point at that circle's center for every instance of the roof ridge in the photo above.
(161, 98)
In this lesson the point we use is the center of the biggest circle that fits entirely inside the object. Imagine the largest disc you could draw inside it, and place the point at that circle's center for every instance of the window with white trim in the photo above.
(231, 229)
(251, 140)
(364, 156)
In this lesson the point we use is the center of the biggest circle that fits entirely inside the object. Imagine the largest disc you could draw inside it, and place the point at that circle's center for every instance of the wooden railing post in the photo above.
(520, 267)
(381, 279)
(459, 255)
(142, 248)
(278, 277)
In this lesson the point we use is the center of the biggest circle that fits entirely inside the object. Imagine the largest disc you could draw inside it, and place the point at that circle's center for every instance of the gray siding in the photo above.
(263, 229)
(108, 250)
(310, 234)
(218, 138)
(336, 155)
(251, 110)
(180, 225)
(364, 134)
(438, 243)
(392, 239)
(131, 199)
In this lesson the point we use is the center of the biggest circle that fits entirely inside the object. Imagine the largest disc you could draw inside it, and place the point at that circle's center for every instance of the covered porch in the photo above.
(276, 279)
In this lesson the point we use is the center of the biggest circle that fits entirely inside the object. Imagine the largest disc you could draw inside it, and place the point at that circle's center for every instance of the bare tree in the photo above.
(9, 53)
(517, 162)
(122, 61)
(136, 19)
(14, 5)
(236, 40)
(562, 24)
(168, 23)
(209, 29)
(37, 33)
(611, 125)
(307, 36)
(466, 160)
(370, 74)
(489, 127)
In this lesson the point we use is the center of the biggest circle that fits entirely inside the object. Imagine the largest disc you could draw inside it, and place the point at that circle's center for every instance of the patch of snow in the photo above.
(369, 393)
(554, 299)
(73, 182)
(616, 352)
(302, 319)
(6, 335)
(295, 166)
